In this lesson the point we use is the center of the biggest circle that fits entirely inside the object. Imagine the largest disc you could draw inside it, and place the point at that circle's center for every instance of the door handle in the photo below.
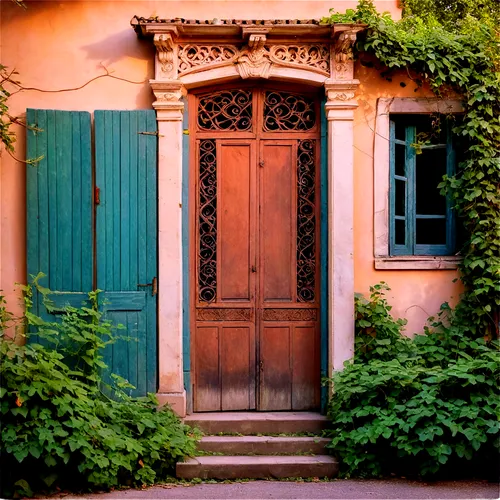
(153, 285)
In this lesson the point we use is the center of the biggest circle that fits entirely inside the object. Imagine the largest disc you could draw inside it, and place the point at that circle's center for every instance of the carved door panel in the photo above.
(256, 333)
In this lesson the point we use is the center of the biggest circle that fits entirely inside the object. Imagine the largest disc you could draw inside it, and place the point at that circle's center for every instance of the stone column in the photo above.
(169, 111)
(340, 91)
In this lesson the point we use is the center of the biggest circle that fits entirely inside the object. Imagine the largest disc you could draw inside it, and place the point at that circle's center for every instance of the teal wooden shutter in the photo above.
(59, 204)
(126, 239)
(402, 192)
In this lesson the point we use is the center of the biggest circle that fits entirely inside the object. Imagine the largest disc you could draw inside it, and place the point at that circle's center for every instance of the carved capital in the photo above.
(168, 99)
(341, 95)
(165, 48)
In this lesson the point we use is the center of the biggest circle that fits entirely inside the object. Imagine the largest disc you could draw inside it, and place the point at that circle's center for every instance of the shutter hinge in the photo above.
(97, 196)
(150, 133)
(261, 163)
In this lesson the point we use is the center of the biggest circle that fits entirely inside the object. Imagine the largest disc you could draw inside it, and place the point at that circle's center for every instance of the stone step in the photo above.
(257, 467)
(263, 445)
(258, 422)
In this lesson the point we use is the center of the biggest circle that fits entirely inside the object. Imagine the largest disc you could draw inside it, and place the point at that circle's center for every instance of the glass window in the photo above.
(422, 221)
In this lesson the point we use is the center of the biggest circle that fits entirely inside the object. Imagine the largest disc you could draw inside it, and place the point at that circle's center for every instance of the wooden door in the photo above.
(256, 304)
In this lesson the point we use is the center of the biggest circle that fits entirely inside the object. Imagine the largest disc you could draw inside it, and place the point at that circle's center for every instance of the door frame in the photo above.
(190, 217)
(251, 53)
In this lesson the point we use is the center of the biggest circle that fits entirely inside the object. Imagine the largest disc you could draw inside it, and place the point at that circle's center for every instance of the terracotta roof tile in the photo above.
(137, 20)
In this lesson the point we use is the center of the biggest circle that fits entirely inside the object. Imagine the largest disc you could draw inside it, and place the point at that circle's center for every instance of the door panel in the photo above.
(277, 179)
(234, 209)
(256, 336)
(275, 369)
(237, 368)
(305, 357)
(207, 379)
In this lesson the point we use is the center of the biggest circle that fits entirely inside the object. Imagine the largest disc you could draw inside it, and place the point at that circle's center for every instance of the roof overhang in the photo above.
(231, 29)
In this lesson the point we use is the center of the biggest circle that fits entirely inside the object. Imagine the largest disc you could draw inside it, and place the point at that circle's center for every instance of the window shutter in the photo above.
(401, 195)
(126, 240)
(59, 204)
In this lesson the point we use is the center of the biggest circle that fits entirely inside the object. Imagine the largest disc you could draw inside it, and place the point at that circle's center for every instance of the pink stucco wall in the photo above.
(63, 45)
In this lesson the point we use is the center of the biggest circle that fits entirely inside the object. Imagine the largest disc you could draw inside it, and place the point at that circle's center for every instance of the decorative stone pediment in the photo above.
(197, 53)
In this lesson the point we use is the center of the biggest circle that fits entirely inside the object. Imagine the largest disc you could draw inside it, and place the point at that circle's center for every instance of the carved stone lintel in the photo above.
(195, 57)
(165, 47)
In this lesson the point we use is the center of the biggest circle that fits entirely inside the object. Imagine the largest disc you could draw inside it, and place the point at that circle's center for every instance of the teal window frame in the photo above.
(410, 217)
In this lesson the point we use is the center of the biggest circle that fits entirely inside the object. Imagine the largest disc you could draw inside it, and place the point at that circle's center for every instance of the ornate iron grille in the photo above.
(226, 110)
(306, 221)
(207, 258)
(285, 111)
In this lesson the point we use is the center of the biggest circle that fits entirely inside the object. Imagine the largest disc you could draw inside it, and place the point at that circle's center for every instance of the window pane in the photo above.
(431, 232)
(400, 130)
(400, 232)
(400, 196)
(431, 129)
(431, 166)
(400, 160)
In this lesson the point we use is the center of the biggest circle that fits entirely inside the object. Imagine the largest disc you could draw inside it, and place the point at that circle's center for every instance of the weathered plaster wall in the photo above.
(63, 45)
(415, 294)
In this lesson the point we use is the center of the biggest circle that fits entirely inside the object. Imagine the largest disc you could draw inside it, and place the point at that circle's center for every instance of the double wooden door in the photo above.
(256, 303)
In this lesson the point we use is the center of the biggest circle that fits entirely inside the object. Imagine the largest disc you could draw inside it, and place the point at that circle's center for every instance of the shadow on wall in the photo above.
(120, 45)
(53, 32)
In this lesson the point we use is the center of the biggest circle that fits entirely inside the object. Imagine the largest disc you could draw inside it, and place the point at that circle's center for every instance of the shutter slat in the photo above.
(87, 244)
(116, 188)
(65, 167)
(53, 190)
(152, 243)
(125, 200)
(76, 201)
(32, 208)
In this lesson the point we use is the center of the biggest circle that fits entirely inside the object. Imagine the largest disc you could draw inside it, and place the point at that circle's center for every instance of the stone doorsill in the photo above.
(418, 262)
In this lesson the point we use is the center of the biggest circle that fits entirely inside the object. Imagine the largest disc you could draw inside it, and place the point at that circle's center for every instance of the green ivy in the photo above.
(426, 406)
(62, 427)
(443, 44)
(7, 137)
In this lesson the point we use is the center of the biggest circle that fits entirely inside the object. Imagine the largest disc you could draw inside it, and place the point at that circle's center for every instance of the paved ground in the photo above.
(341, 489)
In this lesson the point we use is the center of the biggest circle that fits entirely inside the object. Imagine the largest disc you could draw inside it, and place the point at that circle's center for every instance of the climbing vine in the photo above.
(456, 50)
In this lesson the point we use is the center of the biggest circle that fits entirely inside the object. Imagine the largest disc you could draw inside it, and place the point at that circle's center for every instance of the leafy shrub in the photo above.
(62, 428)
(427, 405)
(377, 333)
